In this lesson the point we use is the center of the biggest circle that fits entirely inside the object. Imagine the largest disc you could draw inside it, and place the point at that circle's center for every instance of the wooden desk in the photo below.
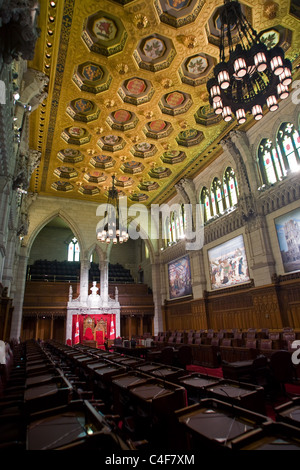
(250, 397)
(272, 436)
(237, 370)
(140, 351)
(213, 424)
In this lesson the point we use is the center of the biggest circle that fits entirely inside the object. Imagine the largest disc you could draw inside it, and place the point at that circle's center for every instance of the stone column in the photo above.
(241, 142)
(103, 267)
(7, 277)
(157, 298)
(5, 197)
(198, 276)
(19, 288)
(84, 280)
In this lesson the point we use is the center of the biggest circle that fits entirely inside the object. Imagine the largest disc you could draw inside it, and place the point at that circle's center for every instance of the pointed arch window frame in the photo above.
(73, 249)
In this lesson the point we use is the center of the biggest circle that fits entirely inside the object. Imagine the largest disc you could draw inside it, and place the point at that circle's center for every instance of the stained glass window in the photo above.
(230, 188)
(217, 196)
(182, 222)
(73, 250)
(173, 228)
(267, 166)
(288, 141)
(206, 203)
(274, 161)
(167, 230)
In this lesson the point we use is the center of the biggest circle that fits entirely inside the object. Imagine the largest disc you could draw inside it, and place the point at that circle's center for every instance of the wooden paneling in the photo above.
(49, 300)
(272, 306)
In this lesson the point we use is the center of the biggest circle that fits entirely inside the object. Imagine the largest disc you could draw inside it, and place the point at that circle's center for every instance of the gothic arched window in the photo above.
(276, 161)
(217, 196)
(230, 188)
(288, 144)
(73, 250)
(270, 162)
(205, 200)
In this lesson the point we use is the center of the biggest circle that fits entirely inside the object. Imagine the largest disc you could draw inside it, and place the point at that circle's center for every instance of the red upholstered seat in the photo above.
(99, 337)
(88, 336)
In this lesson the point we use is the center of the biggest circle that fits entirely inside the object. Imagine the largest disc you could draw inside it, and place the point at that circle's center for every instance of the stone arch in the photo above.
(100, 252)
(28, 242)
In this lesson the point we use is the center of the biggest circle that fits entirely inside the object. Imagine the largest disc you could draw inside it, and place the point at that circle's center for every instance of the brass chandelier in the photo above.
(113, 230)
(252, 76)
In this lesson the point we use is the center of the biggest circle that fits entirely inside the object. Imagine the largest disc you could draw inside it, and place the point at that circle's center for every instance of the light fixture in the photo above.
(272, 103)
(113, 230)
(253, 76)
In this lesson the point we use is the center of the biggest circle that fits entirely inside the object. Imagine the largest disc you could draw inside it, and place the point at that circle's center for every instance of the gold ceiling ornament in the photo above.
(270, 9)
(204, 96)
(166, 145)
(167, 83)
(148, 114)
(183, 124)
(141, 21)
(109, 103)
(122, 68)
(190, 41)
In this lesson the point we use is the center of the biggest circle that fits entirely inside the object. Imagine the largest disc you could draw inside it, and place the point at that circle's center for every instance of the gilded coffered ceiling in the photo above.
(127, 92)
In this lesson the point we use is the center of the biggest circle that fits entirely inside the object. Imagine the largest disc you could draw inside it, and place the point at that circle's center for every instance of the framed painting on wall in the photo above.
(288, 234)
(180, 280)
(228, 264)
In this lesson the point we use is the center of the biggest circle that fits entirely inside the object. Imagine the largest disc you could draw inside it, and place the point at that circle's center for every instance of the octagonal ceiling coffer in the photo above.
(83, 110)
(104, 33)
(136, 91)
(154, 53)
(178, 13)
(92, 77)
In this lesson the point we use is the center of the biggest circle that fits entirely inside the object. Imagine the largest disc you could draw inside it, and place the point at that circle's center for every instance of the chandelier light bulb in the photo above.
(241, 116)
(224, 79)
(282, 91)
(272, 103)
(257, 112)
(218, 106)
(215, 93)
(276, 61)
(286, 77)
(240, 67)
(260, 61)
(226, 113)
